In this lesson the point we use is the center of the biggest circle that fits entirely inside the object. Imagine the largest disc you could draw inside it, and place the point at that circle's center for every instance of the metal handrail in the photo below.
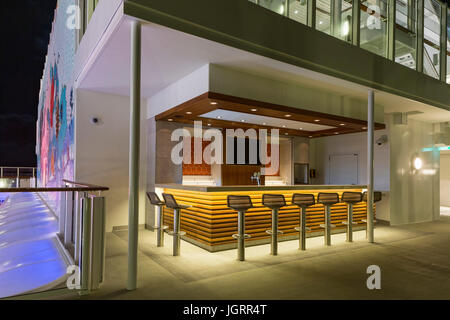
(67, 189)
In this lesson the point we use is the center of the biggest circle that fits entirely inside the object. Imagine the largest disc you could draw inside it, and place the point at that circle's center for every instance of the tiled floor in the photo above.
(414, 262)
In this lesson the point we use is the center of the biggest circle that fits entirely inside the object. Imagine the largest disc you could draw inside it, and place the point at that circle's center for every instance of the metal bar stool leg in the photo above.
(159, 227)
(241, 236)
(176, 233)
(350, 223)
(274, 243)
(327, 226)
(302, 238)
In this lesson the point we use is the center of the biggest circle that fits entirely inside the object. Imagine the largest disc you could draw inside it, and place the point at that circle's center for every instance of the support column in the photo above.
(419, 38)
(370, 150)
(443, 57)
(356, 17)
(311, 18)
(135, 119)
(336, 18)
(391, 29)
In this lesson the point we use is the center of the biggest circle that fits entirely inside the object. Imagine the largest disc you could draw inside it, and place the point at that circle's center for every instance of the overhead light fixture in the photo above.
(342, 124)
(345, 28)
(301, 128)
(188, 112)
(242, 120)
(284, 126)
(264, 123)
(317, 120)
(336, 133)
(418, 163)
(219, 117)
(209, 124)
(296, 12)
(253, 110)
(310, 136)
(213, 103)
(288, 116)
(170, 120)
(286, 134)
(364, 128)
(320, 22)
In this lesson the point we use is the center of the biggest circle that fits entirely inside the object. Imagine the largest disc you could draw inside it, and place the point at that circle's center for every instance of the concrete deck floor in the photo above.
(414, 261)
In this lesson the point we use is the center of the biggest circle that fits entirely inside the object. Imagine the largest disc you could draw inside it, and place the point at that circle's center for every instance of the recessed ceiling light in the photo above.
(242, 120)
(317, 120)
(296, 11)
(253, 110)
(170, 120)
(286, 134)
(336, 133)
(288, 116)
(188, 112)
(320, 22)
(219, 117)
(209, 124)
(364, 128)
(301, 128)
(342, 124)
(264, 123)
(284, 126)
(213, 103)
(310, 136)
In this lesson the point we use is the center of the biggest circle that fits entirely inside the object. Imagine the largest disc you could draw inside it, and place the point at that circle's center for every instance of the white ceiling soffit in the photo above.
(168, 55)
(263, 120)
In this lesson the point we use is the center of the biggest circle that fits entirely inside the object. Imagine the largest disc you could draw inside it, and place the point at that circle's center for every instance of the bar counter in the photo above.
(210, 224)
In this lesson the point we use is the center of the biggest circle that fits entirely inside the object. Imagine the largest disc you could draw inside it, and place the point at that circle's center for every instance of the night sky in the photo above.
(25, 30)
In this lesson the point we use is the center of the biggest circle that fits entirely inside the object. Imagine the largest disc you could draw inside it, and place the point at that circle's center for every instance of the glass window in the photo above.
(374, 26)
(406, 32)
(334, 17)
(432, 38)
(298, 10)
(278, 6)
(323, 16)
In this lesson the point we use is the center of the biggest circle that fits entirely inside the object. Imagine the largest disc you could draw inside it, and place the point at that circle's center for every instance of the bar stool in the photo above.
(172, 204)
(377, 196)
(350, 198)
(241, 204)
(303, 201)
(154, 200)
(328, 199)
(274, 202)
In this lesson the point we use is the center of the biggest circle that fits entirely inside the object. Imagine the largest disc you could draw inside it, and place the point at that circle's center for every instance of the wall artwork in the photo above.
(55, 127)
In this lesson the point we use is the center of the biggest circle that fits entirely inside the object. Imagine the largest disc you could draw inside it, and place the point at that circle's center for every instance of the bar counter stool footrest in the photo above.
(299, 229)
(237, 236)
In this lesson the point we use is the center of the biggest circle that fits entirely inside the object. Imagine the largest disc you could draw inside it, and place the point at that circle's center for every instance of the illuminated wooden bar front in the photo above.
(210, 224)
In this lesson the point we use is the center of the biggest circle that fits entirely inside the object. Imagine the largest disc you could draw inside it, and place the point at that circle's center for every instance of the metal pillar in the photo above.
(135, 116)
(176, 232)
(356, 17)
(311, 18)
(241, 236)
(443, 57)
(336, 18)
(86, 216)
(391, 29)
(370, 150)
(419, 38)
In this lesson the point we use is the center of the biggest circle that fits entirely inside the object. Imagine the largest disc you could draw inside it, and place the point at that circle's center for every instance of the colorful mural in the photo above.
(55, 128)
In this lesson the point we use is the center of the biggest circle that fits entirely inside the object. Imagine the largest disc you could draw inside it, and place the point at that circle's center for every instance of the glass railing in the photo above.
(335, 18)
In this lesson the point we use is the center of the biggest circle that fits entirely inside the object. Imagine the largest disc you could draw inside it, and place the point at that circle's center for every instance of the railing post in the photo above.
(18, 178)
(98, 242)
(86, 243)
(78, 225)
(69, 215)
(443, 53)
(1, 172)
(420, 35)
(311, 14)
(370, 151)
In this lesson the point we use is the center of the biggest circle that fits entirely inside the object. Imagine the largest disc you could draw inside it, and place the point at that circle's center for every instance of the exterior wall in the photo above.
(414, 195)
(55, 147)
(103, 151)
(445, 179)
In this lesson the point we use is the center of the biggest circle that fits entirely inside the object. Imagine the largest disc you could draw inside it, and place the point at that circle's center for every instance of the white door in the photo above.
(343, 169)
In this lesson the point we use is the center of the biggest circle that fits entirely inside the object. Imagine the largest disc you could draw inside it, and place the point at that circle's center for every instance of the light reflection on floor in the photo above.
(445, 211)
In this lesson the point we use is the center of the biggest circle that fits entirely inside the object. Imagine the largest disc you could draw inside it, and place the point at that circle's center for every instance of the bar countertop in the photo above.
(200, 188)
